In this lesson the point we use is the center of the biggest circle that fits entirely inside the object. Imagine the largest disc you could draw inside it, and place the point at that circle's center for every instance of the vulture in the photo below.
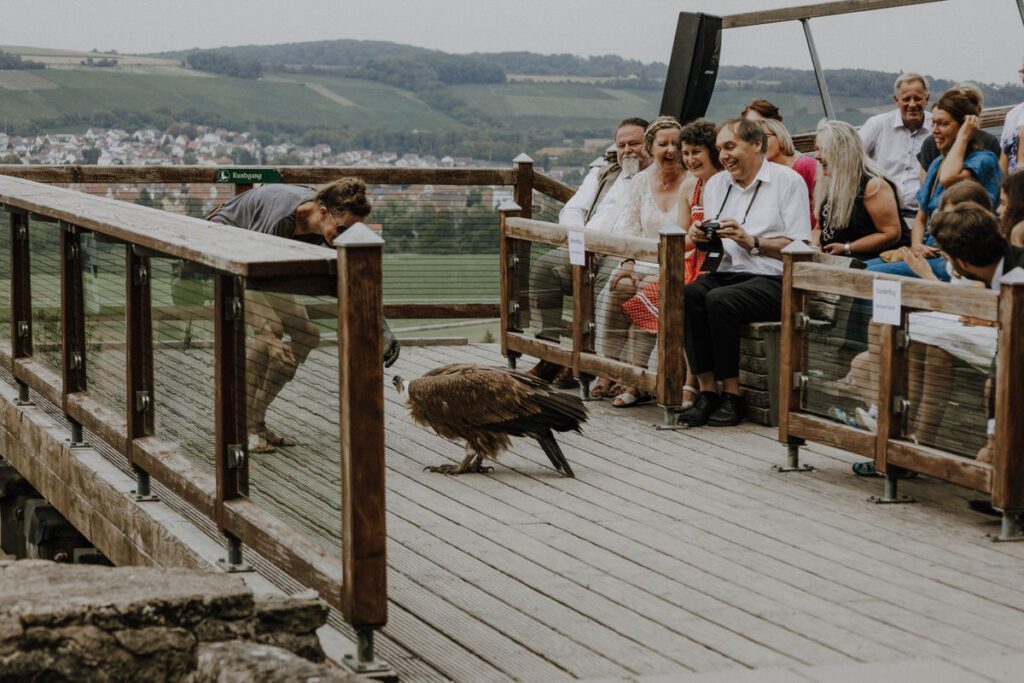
(487, 405)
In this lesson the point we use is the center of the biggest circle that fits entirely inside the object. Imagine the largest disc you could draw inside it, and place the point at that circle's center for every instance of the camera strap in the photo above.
(757, 188)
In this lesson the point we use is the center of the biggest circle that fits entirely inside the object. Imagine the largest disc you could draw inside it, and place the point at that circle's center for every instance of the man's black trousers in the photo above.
(717, 305)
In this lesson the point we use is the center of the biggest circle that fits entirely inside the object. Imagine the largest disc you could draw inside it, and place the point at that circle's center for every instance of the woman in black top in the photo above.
(857, 205)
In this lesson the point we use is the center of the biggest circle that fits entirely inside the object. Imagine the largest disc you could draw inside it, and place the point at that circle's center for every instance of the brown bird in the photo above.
(487, 405)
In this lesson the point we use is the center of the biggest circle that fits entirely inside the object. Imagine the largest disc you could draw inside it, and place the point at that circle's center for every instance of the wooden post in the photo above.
(791, 362)
(21, 288)
(583, 322)
(72, 310)
(229, 392)
(1008, 460)
(508, 255)
(671, 318)
(139, 381)
(524, 198)
(361, 426)
(893, 406)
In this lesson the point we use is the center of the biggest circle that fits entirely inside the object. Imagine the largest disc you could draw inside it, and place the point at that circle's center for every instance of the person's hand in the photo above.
(917, 263)
(732, 230)
(924, 250)
(280, 352)
(623, 279)
(696, 233)
(835, 248)
(970, 126)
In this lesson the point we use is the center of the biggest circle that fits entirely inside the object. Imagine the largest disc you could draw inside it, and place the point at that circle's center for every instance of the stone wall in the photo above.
(83, 623)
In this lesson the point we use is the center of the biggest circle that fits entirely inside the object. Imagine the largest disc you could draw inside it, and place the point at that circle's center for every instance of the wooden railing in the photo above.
(1003, 478)
(352, 273)
(518, 233)
(521, 177)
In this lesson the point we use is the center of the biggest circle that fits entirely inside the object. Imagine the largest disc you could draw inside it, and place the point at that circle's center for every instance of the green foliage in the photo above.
(10, 159)
(90, 155)
(106, 61)
(222, 63)
(9, 61)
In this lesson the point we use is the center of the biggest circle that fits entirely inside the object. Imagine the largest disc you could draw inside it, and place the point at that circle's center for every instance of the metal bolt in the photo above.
(23, 328)
(800, 321)
(75, 360)
(143, 401)
(236, 456)
(141, 275)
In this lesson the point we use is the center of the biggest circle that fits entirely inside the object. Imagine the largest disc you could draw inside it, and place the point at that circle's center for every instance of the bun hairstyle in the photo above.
(346, 194)
(961, 102)
(660, 123)
(763, 107)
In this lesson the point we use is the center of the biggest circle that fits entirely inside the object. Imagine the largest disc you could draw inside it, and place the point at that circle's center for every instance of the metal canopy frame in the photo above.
(804, 14)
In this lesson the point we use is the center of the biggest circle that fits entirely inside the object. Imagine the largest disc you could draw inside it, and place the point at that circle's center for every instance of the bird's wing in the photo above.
(463, 395)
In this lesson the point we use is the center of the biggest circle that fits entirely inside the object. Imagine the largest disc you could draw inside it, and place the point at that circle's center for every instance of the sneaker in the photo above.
(731, 411)
(697, 415)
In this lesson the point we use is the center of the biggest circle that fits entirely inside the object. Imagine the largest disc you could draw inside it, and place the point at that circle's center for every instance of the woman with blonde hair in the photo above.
(857, 205)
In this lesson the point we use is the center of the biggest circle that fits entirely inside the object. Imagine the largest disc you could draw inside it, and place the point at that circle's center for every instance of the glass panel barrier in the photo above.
(45, 258)
(293, 407)
(103, 275)
(5, 276)
(183, 359)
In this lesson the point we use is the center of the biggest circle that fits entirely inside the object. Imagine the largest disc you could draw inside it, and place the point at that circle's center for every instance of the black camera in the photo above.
(714, 242)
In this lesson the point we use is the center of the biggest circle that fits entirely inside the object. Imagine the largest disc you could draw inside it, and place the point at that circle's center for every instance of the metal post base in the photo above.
(364, 662)
(77, 439)
(23, 398)
(1011, 531)
(668, 418)
(234, 563)
(793, 461)
(891, 497)
(142, 491)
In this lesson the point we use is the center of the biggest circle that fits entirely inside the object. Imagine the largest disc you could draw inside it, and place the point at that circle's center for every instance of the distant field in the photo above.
(284, 99)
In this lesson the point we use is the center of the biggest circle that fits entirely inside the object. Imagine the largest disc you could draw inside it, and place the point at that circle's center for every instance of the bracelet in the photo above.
(847, 247)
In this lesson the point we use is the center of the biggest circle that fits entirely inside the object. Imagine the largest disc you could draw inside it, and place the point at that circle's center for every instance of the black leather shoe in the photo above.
(697, 415)
(731, 411)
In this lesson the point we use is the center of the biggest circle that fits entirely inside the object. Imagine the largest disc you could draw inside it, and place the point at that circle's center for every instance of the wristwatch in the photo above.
(846, 248)
(757, 247)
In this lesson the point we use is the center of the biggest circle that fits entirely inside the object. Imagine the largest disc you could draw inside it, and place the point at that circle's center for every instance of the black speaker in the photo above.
(693, 68)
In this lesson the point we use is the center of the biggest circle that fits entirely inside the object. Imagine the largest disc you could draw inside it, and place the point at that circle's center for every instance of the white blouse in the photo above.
(641, 216)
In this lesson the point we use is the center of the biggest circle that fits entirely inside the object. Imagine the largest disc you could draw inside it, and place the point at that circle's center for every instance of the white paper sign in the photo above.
(887, 302)
(577, 252)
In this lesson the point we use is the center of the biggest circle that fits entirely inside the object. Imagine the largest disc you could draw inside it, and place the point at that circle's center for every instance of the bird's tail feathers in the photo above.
(554, 453)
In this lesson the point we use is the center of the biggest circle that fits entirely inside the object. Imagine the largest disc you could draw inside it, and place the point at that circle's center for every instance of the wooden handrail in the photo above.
(295, 175)
(920, 294)
(220, 247)
(639, 248)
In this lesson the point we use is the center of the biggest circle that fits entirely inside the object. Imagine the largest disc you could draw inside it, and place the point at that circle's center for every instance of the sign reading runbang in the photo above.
(247, 176)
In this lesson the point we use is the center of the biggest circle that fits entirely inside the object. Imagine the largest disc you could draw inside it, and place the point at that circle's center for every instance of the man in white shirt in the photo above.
(894, 139)
(595, 206)
(760, 207)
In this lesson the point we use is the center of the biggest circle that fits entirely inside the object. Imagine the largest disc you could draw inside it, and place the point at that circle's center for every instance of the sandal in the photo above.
(601, 389)
(687, 403)
(616, 390)
(258, 443)
(631, 397)
(275, 439)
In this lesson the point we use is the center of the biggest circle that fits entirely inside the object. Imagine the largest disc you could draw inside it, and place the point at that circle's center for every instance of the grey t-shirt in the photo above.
(269, 209)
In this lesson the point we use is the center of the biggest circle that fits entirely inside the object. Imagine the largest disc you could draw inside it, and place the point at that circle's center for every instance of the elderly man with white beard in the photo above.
(595, 206)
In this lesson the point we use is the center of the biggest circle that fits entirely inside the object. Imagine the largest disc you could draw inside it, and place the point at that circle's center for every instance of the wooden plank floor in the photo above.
(672, 554)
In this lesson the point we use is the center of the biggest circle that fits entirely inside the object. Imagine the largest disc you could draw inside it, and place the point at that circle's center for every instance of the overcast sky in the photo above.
(961, 39)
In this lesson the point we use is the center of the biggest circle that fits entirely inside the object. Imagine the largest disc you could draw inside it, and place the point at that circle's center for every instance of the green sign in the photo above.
(247, 176)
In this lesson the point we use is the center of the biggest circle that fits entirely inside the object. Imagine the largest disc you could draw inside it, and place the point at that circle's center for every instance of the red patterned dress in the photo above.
(642, 309)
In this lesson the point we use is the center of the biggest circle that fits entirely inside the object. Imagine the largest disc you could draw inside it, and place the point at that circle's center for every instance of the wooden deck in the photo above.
(672, 555)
